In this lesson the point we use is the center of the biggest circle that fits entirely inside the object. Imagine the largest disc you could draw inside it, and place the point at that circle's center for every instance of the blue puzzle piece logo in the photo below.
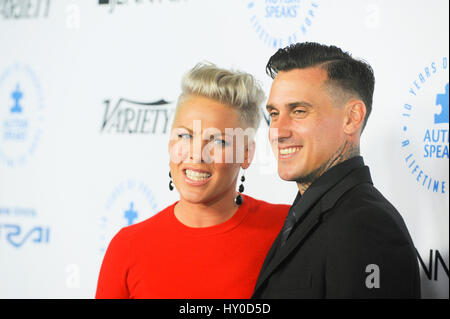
(442, 99)
(17, 94)
(131, 214)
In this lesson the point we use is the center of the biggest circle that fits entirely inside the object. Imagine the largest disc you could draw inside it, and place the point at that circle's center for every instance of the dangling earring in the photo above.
(170, 183)
(238, 200)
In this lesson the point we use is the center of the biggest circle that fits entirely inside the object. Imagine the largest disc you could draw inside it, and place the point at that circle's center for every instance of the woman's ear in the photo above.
(354, 117)
(249, 154)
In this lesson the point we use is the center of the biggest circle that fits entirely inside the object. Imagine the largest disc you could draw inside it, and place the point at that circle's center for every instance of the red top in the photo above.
(162, 258)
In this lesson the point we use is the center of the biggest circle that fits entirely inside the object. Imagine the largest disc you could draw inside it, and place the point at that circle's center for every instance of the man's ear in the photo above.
(355, 112)
(249, 154)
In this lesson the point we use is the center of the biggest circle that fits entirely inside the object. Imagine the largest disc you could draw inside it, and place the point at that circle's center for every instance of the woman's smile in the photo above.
(196, 177)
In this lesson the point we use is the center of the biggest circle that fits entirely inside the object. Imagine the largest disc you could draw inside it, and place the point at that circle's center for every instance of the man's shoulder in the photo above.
(363, 212)
(367, 200)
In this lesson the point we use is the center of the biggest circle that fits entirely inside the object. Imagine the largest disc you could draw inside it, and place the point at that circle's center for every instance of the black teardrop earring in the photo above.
(238, 200)
(170, 183)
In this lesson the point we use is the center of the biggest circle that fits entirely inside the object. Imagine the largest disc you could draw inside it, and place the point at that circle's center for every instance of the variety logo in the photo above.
(24, 9)
(131, 117)
(279, 23)
(130, 202)
(23, 233)
(21, 114)
(425, 128)
(112, 4)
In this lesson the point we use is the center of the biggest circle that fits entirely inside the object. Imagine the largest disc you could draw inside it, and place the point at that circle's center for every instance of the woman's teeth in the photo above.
(289, 150)
(197, 176)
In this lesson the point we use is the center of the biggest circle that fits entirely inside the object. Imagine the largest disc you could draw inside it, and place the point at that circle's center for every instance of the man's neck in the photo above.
(346, 151)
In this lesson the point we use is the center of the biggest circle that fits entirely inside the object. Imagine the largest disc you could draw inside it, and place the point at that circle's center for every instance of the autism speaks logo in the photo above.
(425, 128)
(21, 114)
(130, 202)
(279, 23)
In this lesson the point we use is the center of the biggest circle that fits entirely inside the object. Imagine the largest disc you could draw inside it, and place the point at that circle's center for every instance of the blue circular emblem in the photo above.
(279, 23)
(130, 202)
(425, 128)
(21, 114)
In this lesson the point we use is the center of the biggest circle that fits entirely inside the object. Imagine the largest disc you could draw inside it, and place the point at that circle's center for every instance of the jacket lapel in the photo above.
(276, 242)
(315, 211)
(270, 254)
(278, 254)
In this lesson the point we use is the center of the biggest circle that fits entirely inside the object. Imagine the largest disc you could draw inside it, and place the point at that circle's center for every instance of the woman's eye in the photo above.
(221, 142)
(184, 136)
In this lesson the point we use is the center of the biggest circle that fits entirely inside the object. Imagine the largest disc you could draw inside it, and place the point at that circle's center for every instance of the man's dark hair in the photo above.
(351, 75)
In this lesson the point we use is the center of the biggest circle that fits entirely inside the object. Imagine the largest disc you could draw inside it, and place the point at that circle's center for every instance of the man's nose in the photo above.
(280, 129)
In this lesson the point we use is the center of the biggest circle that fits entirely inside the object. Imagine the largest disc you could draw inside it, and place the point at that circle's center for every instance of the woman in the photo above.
(213, 241)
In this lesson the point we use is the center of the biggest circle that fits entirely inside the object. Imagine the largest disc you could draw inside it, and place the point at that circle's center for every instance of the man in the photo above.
(341, 238)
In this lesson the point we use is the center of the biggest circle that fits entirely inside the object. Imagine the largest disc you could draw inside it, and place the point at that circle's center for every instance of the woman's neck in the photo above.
(207, 214)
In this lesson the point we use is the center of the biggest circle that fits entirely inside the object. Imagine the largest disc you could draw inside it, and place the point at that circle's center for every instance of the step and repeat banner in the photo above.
(87, 96)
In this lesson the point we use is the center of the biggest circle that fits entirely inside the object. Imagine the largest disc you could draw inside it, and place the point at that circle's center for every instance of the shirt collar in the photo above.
(320, 186)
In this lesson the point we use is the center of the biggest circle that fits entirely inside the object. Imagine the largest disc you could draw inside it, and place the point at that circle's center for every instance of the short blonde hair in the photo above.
(234, 88)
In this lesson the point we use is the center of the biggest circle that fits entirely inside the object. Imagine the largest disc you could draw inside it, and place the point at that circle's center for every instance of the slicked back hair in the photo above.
(352, 76)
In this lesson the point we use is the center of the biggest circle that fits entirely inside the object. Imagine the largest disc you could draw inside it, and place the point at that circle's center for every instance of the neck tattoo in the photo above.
(343, 153)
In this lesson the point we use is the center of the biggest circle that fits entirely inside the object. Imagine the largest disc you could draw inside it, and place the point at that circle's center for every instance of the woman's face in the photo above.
(205, 155)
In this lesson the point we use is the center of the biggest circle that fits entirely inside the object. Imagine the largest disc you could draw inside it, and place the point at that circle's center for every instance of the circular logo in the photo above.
(130, 202)
(281, 22)
(425, 127)
(21, 114)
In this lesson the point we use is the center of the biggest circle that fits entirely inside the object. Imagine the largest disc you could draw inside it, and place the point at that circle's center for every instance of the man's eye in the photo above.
(272, 114)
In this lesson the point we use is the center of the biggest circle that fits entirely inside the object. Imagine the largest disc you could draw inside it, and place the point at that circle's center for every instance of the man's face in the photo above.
(309, 127)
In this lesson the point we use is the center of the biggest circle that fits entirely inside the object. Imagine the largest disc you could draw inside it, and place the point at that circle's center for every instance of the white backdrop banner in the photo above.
(87, 96)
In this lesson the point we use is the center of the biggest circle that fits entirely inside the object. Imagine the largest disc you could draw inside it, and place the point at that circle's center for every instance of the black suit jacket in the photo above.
(349, 242)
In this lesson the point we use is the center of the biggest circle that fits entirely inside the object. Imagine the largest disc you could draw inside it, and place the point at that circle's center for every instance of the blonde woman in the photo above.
(213, 241)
